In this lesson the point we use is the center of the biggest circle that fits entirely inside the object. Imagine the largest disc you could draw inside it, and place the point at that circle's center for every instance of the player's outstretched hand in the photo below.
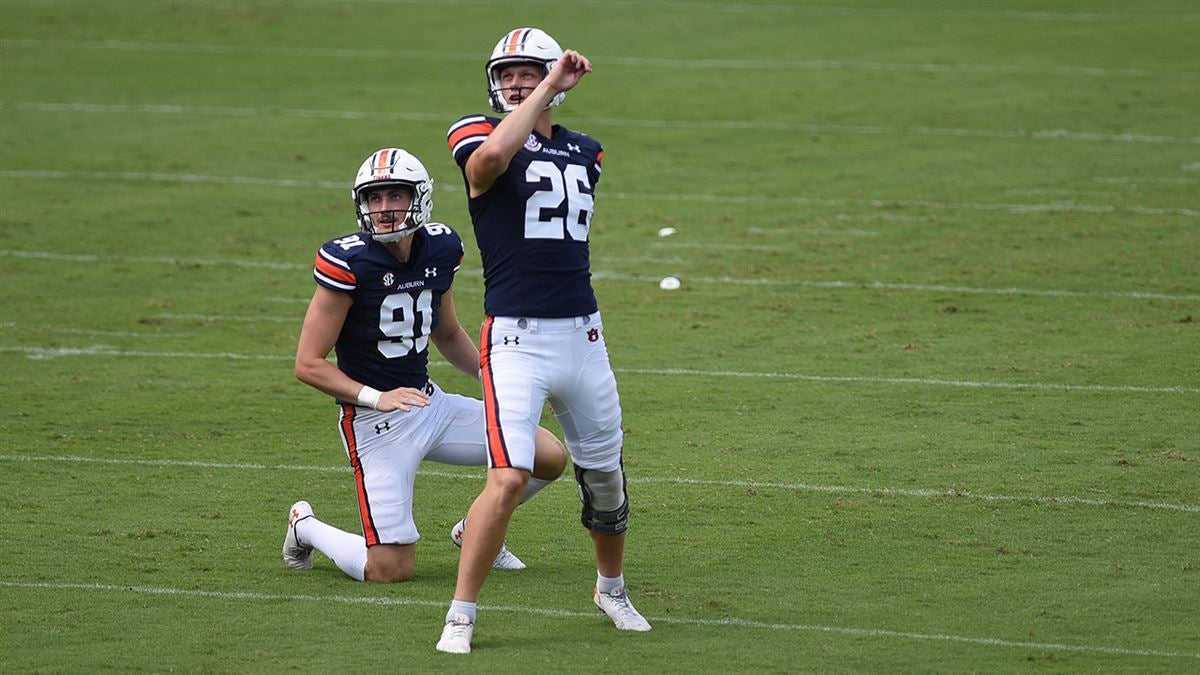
(401, 399)
(569, 70)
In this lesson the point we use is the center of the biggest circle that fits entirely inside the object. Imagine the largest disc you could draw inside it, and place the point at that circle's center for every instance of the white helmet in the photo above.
(393, 166)
(523, 45)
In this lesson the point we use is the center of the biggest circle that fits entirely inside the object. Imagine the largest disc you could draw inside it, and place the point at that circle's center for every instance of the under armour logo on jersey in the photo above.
(512, 339)
(382, 427)
(593, 334)
(573, 148)
(430, 272)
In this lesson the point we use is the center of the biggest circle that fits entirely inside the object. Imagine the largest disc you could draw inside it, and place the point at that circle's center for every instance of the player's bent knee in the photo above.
(390, 564)
(605, 501)
(550, 456)
(506, 484)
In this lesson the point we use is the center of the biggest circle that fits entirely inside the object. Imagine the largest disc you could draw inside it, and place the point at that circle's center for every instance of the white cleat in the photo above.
(617, 606)
(296, 555)
(505, 560)
(456, 635)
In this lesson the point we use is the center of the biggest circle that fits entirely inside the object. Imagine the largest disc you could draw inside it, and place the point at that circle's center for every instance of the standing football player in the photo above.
(382, 294)
(530, 187)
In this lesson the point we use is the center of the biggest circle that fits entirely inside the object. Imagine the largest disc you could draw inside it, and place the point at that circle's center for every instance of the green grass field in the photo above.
(927, 401)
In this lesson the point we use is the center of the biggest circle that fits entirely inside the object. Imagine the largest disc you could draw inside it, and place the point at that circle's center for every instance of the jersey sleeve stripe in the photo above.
(330, 283)
(325, 269)
(470, 119)
(481, 130)
(336, 261)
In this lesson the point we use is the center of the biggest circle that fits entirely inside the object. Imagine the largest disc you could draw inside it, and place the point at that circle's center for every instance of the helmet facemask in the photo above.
(400, 219)
(386, 168)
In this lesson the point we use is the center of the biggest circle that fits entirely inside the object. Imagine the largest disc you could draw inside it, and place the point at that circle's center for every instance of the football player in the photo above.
(530, 192)
(383, 293)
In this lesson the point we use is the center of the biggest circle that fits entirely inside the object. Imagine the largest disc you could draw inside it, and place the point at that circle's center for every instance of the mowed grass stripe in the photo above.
(617, 276)
(633, 61)
(728, 622)
(918, 493)
(729, 125)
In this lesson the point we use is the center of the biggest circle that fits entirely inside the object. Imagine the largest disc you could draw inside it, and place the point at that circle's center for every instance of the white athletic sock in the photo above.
(347, 551)
(609, 584)
(533, 487)
(459, 607)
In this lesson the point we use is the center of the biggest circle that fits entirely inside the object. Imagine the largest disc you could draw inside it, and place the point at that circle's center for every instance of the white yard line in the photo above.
(751, 125)
(45, 353)
(1069, 206)
(1134, 180)
(916, 493)
(590, 616)
(47, 328)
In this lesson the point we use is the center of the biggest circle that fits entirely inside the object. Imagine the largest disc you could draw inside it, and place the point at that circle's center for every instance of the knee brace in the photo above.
(605, 502)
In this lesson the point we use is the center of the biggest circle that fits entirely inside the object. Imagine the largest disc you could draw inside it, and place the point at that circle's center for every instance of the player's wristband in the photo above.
(479, 375)
(368, 397)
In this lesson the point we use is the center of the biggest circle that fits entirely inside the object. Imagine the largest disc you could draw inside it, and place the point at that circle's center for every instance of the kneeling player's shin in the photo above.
(605, 502)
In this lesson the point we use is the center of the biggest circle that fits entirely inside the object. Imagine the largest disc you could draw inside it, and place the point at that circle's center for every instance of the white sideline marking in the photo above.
(1055, 207)
(1060, 191)
(617, 276)
(921, 493)
(731, 622)
(244, 319)
(1125, 180)
(1058, 207)
(871, 130)
(634, 61)
(879, 285)
(45, 328)
(1129, 389)
(848, 232)
(44, 353)
(720, 247)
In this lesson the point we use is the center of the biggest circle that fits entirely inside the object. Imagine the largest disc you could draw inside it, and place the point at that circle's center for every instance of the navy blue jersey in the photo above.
(384, 342)
(532, 224)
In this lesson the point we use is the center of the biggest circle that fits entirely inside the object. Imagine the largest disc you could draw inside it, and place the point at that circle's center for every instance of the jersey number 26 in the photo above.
(564, 184)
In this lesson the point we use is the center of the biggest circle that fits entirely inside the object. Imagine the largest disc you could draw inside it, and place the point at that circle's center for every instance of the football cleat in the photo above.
(617, 606)
(456, 635)
(296, 555)
(505, 560)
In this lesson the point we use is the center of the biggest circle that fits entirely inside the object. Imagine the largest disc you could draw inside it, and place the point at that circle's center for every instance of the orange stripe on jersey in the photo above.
(497, 453)
(334, 272)
(370, 534)
(476, 129)
(600, 157)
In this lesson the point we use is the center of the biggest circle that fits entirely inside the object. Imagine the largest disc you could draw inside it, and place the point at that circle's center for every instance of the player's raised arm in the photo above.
(526, 89)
